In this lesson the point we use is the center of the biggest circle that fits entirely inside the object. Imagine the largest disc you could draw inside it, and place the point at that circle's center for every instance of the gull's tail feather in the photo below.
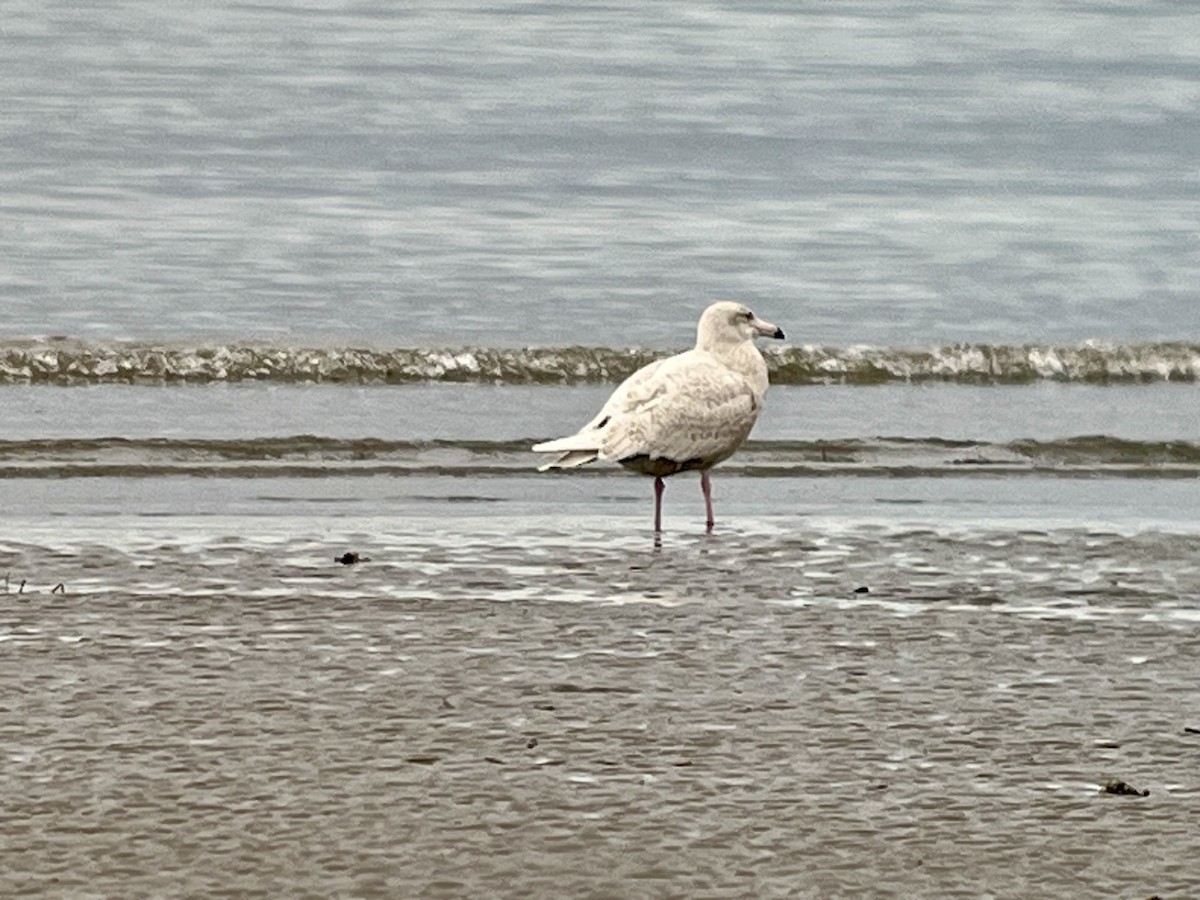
(576, 450)
(571, 442)
(571, 460)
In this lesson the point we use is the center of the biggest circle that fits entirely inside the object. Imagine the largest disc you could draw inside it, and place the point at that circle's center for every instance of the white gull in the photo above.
(687, 412)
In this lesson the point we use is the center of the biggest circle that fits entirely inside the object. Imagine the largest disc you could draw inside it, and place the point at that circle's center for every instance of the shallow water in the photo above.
(507, 708)
(861, 684)
(513, 413)
(901, 667)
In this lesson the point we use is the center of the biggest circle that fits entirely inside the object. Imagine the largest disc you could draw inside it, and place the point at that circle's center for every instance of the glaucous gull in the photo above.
(687, 412)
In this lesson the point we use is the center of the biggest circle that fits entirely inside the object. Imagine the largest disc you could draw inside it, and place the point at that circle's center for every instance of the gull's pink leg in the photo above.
(706, 486)
(658, 492)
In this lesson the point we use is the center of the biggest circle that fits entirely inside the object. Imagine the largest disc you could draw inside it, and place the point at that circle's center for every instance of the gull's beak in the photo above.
(766, 329)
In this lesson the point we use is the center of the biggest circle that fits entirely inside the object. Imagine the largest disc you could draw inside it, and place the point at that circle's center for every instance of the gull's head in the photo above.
(729, 322)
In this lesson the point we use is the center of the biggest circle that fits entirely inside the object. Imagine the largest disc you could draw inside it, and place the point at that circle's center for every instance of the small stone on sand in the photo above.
(1120, 787)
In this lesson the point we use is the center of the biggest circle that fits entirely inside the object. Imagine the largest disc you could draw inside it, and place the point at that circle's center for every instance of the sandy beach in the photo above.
(711, 719)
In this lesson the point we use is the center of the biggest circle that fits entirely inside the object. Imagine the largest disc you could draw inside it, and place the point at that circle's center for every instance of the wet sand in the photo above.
(714, 719)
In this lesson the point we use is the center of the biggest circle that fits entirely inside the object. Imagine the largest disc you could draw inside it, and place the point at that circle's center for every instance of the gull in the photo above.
(687, 412)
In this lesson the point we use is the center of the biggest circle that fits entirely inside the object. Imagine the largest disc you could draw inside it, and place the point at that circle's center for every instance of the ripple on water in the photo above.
(1068, 573)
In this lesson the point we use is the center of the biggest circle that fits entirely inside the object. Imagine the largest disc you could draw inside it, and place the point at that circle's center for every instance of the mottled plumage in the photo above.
(689, 411)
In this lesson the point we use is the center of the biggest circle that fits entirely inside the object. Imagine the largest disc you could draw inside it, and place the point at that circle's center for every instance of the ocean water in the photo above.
(287, 281)
(521, 173)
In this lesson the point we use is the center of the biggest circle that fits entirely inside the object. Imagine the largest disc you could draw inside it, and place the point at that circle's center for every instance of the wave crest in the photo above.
(73, 362)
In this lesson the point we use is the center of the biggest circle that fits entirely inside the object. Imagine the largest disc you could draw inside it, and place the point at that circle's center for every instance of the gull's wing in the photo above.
(584, 446)
(688, 408)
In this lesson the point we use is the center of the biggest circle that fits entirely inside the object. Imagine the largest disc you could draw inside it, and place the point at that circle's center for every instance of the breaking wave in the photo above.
(65, 362)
